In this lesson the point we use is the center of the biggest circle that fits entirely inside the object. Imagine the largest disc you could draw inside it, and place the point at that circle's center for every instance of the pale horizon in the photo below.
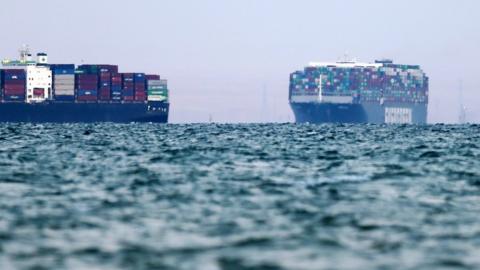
(230, 61)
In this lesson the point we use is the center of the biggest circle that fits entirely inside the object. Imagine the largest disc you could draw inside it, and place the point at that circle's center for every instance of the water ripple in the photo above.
(106, 196)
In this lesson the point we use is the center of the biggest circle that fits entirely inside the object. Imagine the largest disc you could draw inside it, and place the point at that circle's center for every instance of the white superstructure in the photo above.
(345, 64)
(39, 83)
(38, 74)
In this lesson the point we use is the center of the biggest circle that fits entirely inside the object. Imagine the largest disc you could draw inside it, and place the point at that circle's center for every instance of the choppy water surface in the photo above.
(239, 197)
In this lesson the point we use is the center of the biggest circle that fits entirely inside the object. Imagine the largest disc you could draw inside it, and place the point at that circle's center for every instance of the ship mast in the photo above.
(462, 118)
(25, 59)
(25, 53)
(347, 58)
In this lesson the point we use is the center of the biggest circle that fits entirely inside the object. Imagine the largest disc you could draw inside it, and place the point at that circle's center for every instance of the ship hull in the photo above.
(317, 113)
(57, 112)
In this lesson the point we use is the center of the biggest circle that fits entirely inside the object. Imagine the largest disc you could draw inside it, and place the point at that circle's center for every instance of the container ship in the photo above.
(34, 91)
(354, 92)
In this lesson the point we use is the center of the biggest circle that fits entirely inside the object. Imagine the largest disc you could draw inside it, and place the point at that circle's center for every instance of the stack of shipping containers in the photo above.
(14, 85)
(116, 93)
(63, 82)
(390, 82)
(157, 89)
(105, 86)
(87, 83)
(128, 86)
(140, 91)
(105, 73)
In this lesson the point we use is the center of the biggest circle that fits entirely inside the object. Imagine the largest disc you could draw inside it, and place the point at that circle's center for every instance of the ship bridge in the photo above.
(345, 64)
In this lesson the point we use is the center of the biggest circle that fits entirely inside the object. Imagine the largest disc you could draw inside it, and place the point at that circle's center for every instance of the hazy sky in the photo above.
(231, 59)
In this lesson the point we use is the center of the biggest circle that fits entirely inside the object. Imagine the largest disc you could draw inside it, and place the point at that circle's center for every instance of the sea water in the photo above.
(208, 196)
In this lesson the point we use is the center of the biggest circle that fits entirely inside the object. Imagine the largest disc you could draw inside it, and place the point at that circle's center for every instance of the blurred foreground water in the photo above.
(143, 196)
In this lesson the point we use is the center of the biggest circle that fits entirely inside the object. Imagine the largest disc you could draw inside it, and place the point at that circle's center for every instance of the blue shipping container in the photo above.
(62, 66)
(64, 98)
(14, 97)
(139, 76)
(15, 77)
(128, 92)
(84, 92)
(63, 71)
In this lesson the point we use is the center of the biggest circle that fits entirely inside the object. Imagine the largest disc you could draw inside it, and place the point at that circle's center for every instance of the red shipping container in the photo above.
(14, 92)
(38, 92)
(87, 76)
(104, 98)
(86, 81)
(87, 98)
(104, 91)
(88, 85)
(105, 76)
(13, 81)
(15, 84)
(14, 87)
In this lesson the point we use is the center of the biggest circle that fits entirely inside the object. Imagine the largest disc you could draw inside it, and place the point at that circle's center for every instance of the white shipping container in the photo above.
(64, 83)
(64, 77)
(157, 83)
(64, 88)
(157, 98)
(65, 94)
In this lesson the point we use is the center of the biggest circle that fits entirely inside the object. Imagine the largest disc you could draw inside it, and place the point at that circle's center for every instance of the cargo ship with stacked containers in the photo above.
(353, 92)
(38, 92)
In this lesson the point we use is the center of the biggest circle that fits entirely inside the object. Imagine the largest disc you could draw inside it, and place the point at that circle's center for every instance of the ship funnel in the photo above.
(42, 58)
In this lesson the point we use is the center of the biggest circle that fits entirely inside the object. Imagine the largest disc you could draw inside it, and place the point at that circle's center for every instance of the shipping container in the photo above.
(65, 98)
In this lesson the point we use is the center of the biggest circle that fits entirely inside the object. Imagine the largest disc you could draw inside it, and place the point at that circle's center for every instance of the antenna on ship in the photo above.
(347, 58)
(25, 54)
(462, 118)
(264, 104)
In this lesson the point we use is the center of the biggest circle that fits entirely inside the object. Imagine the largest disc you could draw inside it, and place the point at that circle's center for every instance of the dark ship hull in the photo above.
(376, 113)
(68, 112)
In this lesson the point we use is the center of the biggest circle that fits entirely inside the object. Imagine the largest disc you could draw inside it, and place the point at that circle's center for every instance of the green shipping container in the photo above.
(157, 87)
(156, 92)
